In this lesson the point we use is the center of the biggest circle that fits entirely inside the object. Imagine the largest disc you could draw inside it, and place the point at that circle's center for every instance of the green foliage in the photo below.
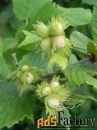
(40, 65)
(80, 75)
(14, 108)
(28, 9)
(5, 70)
(7, 43)
(72, 16)
(58, 59)
(36, 60)
(94, 25)
(30, 39)
(92, 48)
(68, 15)
(79, 41)
(89, 2)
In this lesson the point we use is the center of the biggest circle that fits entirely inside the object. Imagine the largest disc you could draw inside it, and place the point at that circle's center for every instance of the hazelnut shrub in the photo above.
(39, 69)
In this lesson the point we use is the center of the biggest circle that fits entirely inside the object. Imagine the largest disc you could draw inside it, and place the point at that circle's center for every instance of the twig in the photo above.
(79, 62)
(83, 61)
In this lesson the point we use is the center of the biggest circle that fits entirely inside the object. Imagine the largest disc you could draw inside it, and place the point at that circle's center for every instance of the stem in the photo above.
(83, 61)
(79, 62)
(51, 74)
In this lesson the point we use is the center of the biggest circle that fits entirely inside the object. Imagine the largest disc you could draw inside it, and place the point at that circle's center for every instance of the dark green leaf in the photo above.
(36, 60)
(94, 24)
(12, 107)
(89, 2)
(4, 68)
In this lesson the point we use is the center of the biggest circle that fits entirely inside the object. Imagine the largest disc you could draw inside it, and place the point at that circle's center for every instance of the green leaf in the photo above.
(30, 39)
(12, 107)
(89, 2)
(51, 9)
(79, 75)
(6, 44)
(36, 60)
(77, 16)
(79, 41)
(90, 66)
(83, 97)
(4, 16)
(59, 60)
(29, 8)
(4, 68)
(92, 48)
(1, 48)
(94, 24)
(73, 59)
(70, 15)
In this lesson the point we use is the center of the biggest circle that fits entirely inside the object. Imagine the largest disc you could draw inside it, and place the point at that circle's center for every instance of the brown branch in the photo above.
(83, 61)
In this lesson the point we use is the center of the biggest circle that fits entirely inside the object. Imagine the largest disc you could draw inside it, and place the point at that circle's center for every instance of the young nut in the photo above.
(56, 28)
(46, 91)
(25, 67)
(42, 30)
(53, 102)
(45, 44)
(18, 74)
(30, 78)
(58, 41)
(55, 84)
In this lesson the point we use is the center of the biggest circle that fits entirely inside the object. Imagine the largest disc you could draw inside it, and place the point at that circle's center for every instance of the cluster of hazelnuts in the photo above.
(25, 76)
(52, 34)
(53, 94)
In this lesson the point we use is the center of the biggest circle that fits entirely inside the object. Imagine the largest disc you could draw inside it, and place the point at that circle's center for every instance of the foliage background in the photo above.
(9, 25)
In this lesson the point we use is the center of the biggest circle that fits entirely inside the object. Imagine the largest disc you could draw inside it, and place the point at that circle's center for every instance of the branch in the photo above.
(79, 62)
(83, 61)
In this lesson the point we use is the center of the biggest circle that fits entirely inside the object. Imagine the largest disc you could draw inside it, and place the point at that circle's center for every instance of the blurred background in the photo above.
(9, 25)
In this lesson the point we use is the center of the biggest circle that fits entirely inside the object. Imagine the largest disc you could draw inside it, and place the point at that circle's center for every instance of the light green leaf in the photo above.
(30, 39)
(73, 59)
(4, 68)
(79, 41)
(51, 9)
(89, 2)
(28, 9)
(79, 75)
(36, 60)
(12, 107)
(70, 15)
(92, 48)
(77, 16)
(94, 24)
(58, 59)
